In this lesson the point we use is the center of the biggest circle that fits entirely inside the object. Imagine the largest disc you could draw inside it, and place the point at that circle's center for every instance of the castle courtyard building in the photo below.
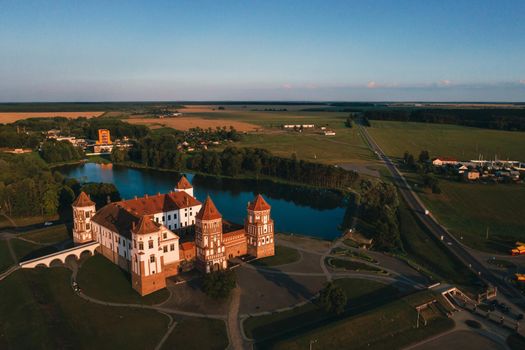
(143, 235)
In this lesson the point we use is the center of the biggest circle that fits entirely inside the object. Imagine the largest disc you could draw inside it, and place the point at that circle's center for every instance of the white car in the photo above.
(48, 223)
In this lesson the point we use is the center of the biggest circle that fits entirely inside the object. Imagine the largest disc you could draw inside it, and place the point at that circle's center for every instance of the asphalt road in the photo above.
(439, 231)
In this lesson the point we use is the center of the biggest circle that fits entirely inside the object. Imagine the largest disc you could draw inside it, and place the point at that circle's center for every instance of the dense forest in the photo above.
(53, 151)
(29, 188)
(488, 118)
(234, 161)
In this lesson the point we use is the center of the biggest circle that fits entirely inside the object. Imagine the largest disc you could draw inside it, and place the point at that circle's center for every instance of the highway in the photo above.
(439, 231)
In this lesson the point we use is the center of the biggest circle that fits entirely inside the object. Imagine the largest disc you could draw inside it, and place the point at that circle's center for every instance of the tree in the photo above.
(424, 157)
(219, 284)
(333, 298)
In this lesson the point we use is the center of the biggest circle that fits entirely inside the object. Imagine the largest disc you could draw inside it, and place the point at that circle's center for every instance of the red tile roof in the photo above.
(183, 183)
(187, 245)
(149, 205)
(259, 204)
(145, 226)
(116, 219)
(208, 211)
(83, 200)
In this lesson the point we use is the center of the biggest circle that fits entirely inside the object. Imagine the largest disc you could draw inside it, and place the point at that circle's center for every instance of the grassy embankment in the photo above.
(6, 260)
(435, 259)
(101, 279)
(466, 209)
(374, 313)
(40, 309)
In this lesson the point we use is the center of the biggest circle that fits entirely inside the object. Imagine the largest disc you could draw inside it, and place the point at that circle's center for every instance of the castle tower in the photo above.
(208, 238)
(83, 211)
(184, 186)
(259, 229)
(147, 266)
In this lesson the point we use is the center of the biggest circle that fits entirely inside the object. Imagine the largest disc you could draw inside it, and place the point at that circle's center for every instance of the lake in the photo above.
(295, 209)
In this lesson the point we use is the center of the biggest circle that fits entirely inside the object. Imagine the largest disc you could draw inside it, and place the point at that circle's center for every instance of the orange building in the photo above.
(104, 137)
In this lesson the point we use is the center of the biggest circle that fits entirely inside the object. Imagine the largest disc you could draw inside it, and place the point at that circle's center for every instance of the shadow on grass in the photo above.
(315, 316)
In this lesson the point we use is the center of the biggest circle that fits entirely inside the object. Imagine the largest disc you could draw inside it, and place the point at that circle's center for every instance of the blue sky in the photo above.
(262, 50)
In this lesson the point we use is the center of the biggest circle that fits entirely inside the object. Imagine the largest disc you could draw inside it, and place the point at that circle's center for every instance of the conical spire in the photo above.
(183, 183)
(209, 211)
(259, 204)
(83, 200)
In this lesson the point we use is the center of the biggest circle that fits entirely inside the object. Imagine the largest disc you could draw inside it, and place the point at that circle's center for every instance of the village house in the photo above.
(440, 161)
(142, 235)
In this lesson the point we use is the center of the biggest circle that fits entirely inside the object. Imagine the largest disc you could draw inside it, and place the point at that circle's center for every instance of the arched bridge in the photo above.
(58, 258)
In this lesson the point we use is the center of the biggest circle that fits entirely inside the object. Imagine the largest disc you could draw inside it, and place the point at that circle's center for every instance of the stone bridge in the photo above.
(60, 257)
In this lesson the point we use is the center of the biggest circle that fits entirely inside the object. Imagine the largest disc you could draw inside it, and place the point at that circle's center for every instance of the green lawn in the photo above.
(197, 334)
(447, 140)
(283, 255)
(430, 253)
(101, 279)
(5, 257)
(390, 326)
(347, 146)
(27, 250)
(40, 310)
(48, 235)
(467, 210)
(362, 295)
(350, 265)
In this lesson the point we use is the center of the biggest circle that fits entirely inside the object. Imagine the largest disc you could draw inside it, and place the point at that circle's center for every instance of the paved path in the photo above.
(234, 326)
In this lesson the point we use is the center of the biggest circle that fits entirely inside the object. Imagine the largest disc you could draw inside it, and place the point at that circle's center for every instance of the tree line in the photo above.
(29, 188)
(234, 161)
(512, 119)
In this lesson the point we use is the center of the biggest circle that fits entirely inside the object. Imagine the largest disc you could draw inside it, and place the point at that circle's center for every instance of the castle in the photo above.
(143, 235)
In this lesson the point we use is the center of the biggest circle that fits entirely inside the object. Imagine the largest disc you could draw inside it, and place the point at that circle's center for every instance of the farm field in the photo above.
(461, 142)
(11, 117)
(467, 210)
(40, 310)
(186, 123)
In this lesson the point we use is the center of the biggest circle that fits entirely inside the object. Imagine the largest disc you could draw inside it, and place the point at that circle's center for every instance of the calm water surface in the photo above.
(295, 210)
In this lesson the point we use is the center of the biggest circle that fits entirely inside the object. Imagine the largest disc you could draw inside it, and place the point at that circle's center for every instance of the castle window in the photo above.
(186, 215)
(169, 217)
(157, 220)
(152, 258)
(164, 235)
(172, 247)
(175, 225)
(174, 216)
(150, 244)
(141, 245)
(193, 222)
(87, 225)
(165, 249)
(88, 214)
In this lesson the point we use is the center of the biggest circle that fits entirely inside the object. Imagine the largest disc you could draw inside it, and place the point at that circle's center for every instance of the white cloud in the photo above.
(445, 82)
(287, 86)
